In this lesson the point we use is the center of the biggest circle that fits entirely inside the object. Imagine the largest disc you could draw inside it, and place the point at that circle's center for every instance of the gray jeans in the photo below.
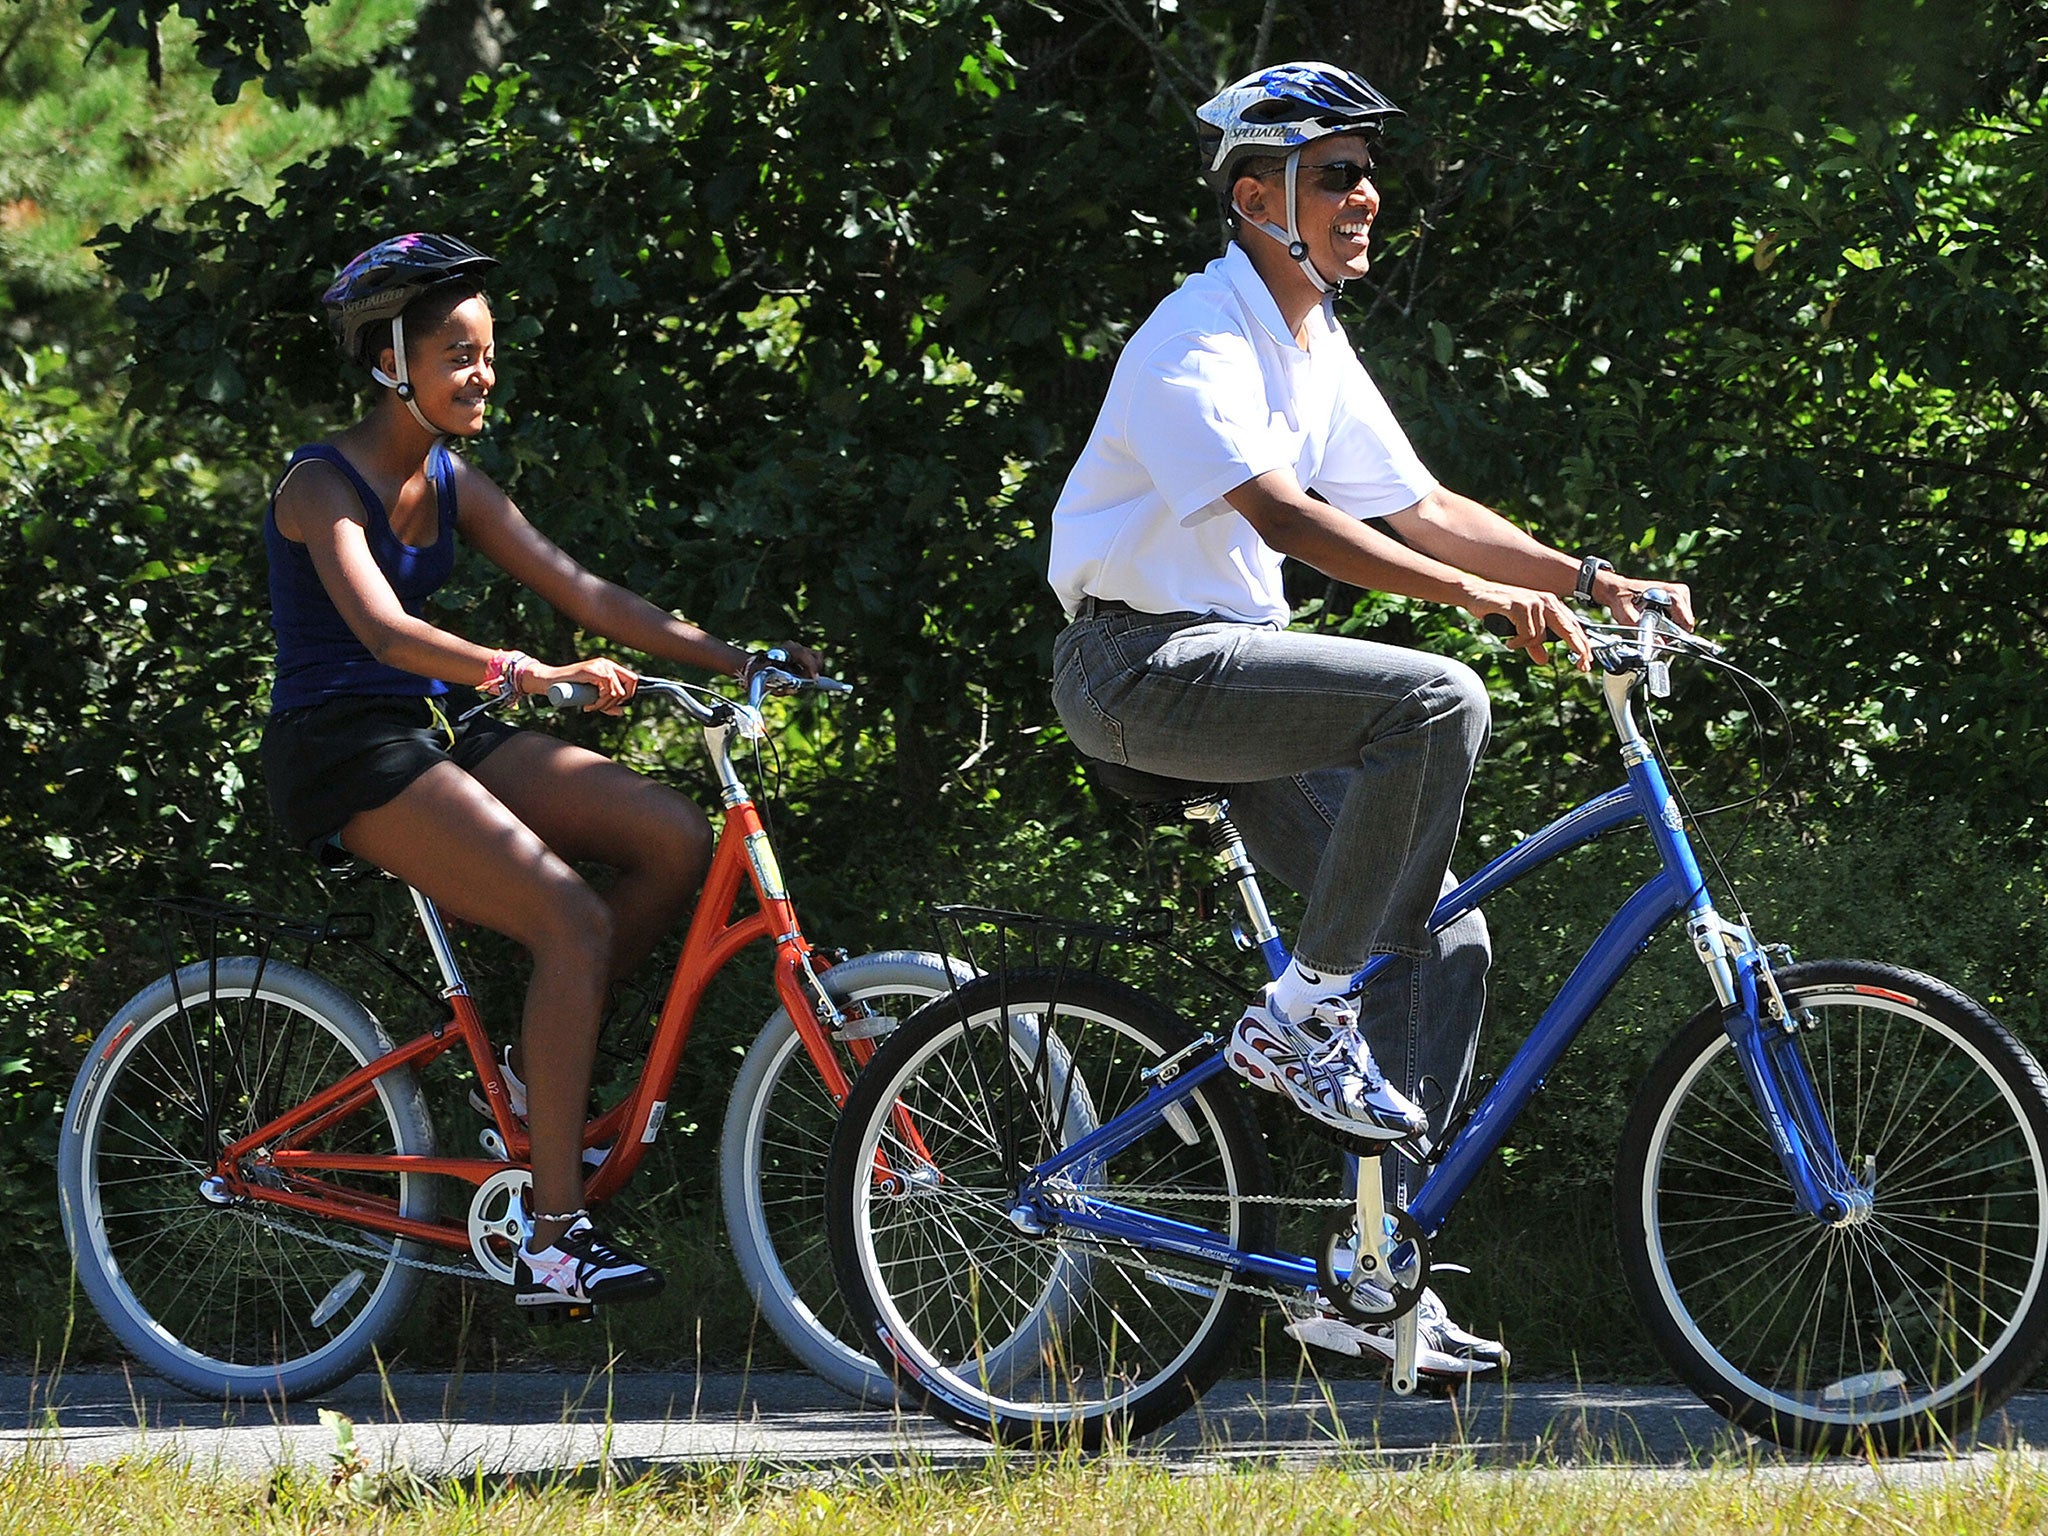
(1348, 764)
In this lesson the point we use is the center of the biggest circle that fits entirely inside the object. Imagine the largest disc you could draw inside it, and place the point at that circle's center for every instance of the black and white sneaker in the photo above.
(581, 1266)
(1323, 1064)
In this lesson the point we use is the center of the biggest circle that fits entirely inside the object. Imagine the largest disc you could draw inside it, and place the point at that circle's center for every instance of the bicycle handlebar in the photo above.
(765, 681)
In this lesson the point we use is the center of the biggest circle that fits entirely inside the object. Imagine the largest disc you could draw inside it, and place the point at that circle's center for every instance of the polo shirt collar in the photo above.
(1258, 300)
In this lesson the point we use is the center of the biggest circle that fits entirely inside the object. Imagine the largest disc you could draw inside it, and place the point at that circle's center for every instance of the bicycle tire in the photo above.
(1038, 1340)
(1901, 1330)
(771, 1171)
(222, 1300)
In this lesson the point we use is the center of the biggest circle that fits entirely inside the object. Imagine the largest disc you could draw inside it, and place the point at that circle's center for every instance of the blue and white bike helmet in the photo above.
(1279, 111)
(378, 284)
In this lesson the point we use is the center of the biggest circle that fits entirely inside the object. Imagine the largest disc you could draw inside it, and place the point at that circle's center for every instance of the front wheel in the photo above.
(1902, 1328)
(771, 1166)
(233, 1297)
(1009, 1322)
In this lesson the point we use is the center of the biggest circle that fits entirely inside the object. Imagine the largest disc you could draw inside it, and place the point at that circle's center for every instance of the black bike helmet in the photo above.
(375, 288)
(378, 284)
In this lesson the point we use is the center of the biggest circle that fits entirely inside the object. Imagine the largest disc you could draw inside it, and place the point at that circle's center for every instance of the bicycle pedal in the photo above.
(554, 1314)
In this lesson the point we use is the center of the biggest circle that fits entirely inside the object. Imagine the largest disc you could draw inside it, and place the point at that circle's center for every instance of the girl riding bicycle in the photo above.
(373, 740)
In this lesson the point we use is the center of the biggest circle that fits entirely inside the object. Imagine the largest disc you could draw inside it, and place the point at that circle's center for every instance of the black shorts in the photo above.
(327, 761)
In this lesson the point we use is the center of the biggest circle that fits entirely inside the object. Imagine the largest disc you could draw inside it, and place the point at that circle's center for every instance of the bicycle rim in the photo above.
(1924, 1308)
(1015, 1333)
(773, 1171)
(227, 1296)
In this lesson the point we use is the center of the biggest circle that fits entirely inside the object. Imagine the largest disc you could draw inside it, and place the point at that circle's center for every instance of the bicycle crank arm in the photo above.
(1404, 1353)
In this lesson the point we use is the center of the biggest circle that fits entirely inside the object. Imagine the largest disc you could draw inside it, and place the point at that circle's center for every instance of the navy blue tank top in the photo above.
(318, 655)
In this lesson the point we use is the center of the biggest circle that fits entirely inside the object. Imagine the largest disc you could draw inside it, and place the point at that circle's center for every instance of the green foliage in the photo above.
(91, 140)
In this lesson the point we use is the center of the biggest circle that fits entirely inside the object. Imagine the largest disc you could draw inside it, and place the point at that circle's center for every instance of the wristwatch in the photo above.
(1589, 569)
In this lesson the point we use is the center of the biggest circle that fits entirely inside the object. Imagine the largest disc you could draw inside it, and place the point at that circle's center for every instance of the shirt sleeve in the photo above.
(1369, 467)
(1199, 421)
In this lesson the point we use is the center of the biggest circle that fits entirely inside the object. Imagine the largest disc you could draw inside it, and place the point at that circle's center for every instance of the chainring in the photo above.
(1337, 1258)
(497, 1221)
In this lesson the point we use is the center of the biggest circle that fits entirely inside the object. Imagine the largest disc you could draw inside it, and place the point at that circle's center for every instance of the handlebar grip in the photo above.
(1499, 624)
(572, 695)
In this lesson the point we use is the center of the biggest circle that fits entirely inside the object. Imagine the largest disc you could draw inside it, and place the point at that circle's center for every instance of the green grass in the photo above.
(1113, 1495)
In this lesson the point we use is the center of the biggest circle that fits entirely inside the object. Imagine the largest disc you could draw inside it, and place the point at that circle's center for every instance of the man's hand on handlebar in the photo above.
(1527, 618)
(1623, 597)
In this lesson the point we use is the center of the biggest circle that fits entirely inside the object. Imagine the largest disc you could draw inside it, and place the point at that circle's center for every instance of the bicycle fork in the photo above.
(1763, 1029)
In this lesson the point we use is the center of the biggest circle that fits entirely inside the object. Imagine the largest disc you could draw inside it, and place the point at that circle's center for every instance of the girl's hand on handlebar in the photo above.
(1526, 619)
(614, 684)
(801, 660)
(1624, 601)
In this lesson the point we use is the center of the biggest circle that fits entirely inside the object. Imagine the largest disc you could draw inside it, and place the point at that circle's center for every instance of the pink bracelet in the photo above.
(501, 674)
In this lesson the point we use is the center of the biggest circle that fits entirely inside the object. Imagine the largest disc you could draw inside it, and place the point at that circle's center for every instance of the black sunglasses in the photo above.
(1336, 176)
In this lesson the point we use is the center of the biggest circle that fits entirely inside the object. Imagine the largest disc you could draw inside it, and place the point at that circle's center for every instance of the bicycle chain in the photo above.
(1226, 1281)
(385, 1255)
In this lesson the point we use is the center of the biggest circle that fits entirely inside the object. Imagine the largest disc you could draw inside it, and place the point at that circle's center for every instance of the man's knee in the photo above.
(1457, 697)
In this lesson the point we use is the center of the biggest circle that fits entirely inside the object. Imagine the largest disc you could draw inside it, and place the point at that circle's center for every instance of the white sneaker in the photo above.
(515, 1090)
(1325, 1066)
(1442, 1348)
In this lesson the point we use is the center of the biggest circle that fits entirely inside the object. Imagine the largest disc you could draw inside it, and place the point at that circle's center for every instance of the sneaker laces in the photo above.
(1346, 1053)
(588, 1240)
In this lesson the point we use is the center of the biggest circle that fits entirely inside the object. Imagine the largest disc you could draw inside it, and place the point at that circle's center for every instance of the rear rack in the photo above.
(194, 926)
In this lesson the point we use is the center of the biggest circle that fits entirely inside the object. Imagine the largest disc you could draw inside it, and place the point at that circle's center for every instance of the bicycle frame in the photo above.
(743, 854)
(1761, 1028)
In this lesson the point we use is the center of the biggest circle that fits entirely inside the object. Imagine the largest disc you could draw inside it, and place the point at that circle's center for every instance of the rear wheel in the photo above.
(1019, 1334)
(1902, 1328)
(771, 1167)
(225, 1296)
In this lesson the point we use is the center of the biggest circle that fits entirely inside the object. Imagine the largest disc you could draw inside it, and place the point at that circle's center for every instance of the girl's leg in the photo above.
(449, 836)
(587, 807)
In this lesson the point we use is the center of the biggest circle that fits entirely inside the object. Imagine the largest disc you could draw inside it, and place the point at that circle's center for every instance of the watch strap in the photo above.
(1589, 570)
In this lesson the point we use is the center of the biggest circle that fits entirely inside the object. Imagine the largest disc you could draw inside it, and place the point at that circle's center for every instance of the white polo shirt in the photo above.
(1211, 391)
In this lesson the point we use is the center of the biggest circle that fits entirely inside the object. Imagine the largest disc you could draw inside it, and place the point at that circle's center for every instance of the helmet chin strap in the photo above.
(1291, 235)
(403, 385)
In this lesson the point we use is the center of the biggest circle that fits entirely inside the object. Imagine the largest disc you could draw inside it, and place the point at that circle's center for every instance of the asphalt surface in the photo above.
(542, 1424)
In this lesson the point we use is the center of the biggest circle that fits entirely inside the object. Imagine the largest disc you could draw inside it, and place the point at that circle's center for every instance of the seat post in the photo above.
(1228, 844)
(437, 941)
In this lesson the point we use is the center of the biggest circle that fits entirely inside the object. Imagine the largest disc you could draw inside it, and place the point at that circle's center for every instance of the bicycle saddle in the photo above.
(1153, 792)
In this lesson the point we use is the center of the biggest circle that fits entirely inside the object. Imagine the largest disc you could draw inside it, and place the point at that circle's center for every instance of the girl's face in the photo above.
(453, 369)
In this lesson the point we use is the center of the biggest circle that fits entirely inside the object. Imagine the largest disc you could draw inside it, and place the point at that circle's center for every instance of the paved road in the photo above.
(541, 1423)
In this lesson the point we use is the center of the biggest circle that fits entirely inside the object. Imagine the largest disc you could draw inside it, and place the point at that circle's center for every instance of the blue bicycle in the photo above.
(1051, 1212)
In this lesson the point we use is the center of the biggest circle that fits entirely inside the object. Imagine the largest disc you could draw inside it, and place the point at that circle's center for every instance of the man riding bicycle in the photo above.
(1240, 428)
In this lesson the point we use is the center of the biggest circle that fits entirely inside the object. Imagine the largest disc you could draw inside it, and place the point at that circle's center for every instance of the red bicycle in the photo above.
(249, 1176)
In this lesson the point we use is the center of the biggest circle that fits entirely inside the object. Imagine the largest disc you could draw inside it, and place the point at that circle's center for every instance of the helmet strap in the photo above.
(1297, 248)
(402, 385)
